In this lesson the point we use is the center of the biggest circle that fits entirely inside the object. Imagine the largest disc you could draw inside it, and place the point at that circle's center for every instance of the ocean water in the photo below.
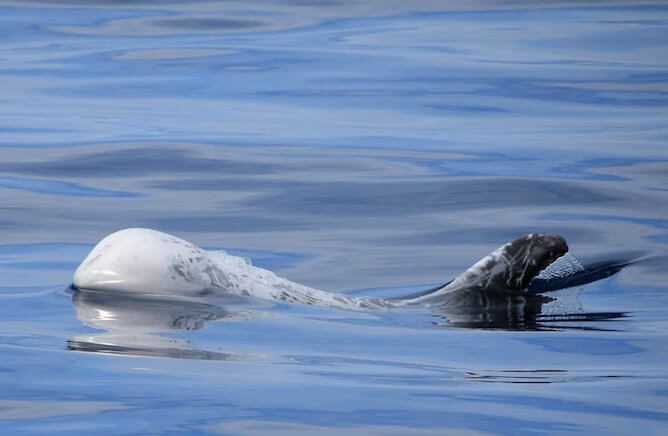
(372, 148)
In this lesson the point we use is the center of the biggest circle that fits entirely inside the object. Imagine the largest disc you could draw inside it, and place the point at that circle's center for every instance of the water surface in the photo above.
(372, 149)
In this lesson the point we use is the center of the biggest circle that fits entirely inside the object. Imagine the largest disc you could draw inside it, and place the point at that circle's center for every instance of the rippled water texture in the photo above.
(374, 148)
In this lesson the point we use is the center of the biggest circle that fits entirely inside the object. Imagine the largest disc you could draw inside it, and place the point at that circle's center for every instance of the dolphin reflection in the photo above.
(133, 323)
(487, 310)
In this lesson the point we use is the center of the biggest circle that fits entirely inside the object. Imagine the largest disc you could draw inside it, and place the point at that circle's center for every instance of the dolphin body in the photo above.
(138, 285)
(142, 261)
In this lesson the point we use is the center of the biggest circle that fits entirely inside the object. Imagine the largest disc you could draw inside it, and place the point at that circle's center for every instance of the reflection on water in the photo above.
(146, 313)
(133, 323)
(148, 345)
(520, 312)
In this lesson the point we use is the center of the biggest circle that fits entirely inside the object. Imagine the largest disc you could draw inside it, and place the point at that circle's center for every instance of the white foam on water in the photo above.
(565, 266)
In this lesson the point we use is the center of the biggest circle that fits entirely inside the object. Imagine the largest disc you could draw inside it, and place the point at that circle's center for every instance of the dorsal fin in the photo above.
(508, 269)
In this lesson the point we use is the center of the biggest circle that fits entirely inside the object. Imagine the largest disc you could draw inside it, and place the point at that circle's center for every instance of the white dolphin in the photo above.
(145, 261)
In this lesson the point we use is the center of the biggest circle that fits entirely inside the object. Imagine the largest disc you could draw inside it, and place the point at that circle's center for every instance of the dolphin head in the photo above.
(144, 261)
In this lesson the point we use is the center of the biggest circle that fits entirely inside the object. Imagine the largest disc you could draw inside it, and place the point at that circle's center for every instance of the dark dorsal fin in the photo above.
(508, 269)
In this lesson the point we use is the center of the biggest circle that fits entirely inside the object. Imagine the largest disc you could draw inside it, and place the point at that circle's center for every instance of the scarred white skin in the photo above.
(146, 261)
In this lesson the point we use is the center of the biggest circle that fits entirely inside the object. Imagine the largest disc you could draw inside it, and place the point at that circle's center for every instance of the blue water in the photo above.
(375, 149)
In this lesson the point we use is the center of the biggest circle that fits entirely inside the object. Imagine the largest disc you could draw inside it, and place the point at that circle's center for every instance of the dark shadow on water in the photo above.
(126, 162)
(206, 24)
(406, 197)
